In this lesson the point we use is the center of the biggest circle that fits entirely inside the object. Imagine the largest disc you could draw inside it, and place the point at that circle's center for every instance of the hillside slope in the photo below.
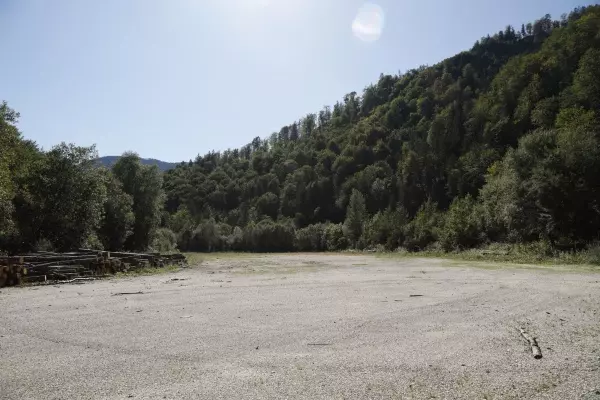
(483, 146)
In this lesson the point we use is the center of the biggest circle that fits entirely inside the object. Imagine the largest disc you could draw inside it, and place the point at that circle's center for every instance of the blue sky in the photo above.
(171, 79)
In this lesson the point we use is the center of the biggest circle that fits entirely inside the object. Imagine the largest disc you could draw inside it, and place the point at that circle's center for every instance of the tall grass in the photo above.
(527, 253)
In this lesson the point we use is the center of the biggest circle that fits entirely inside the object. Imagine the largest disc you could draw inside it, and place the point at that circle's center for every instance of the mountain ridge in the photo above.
(109, 161)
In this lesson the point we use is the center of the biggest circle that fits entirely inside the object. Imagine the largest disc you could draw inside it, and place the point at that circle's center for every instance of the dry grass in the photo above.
(149, 271)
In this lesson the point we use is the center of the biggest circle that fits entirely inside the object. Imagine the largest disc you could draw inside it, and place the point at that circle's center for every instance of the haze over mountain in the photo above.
(109, 161)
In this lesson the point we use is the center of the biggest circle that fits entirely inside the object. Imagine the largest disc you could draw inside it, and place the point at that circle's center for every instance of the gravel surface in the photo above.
(307, 327)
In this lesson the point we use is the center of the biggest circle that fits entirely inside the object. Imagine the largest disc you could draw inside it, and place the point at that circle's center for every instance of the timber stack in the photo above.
(49, 266)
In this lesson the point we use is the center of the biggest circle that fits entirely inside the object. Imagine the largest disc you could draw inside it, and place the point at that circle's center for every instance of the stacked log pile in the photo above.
(48, 266)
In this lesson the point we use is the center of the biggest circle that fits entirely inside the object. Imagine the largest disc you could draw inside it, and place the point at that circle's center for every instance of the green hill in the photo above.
(496, 143)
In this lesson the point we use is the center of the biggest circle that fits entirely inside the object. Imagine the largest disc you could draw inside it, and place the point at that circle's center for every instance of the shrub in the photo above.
(164, 241)
(206, 236)
(462, 225)
(235, 241)
(311, 238)
(92, 242)
(423, 229)
(269, 236)
(386, 229)
(334, 237)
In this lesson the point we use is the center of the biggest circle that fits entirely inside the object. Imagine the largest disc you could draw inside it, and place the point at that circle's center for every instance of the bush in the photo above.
(92, 242)
(311, 238)
(269, 236)
(462, 225)
(386, 229)
(205, 236)
(334, 237)
(235, 241)
(165, 241)
(591, 255)
(224, 231)
(184, 239)
(424, 228)
(43, 245)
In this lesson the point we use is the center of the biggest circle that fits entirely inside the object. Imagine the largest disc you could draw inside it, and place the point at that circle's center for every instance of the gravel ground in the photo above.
(307, 327)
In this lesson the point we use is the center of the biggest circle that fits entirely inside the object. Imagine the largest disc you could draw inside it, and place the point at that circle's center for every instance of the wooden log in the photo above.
(34, 279)
(64, 276)
(138, 255)
(45, 259)
(67, 262)
(535, 349)
(55, 268)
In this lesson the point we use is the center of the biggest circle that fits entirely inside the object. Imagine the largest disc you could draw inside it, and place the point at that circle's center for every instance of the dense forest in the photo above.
(499, 143)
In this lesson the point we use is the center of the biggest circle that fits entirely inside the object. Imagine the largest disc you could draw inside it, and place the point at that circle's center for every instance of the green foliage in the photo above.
(69, 193)
(355, 217)
(429, 136)
(118, 218)
(423, 230)
(268, 205)
(165, 241)
(269, 236)
(547, 188)
(9, 139)
(586, 85)
(206, 236)
(144, 184)
(462, 226)
(386, 228)
(92, 241)
(334, 237)
(235, 241)
(311, 238)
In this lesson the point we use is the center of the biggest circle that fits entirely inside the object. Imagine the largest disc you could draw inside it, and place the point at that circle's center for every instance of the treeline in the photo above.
(62, 200)
(496, 144)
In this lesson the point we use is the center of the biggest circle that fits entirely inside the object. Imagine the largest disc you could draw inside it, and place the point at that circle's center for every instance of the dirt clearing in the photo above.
(307, 327)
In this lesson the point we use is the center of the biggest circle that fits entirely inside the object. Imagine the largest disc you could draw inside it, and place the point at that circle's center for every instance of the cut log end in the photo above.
(535, 349)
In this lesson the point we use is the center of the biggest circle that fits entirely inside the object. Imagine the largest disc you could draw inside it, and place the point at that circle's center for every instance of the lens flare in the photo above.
(368, 24)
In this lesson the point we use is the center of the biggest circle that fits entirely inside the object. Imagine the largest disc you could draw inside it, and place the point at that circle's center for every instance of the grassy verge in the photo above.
(532, 254)
(197, 258)
(149, 271)
(515, 254)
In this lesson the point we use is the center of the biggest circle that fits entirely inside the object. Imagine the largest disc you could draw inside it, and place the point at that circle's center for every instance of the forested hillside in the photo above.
(499, 143)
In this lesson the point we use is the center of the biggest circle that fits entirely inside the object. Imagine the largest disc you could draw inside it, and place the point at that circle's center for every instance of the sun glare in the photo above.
(256, 3)
(368, 24)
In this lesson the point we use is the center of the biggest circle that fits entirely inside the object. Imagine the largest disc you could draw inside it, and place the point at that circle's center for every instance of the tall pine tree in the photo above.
(356, 215)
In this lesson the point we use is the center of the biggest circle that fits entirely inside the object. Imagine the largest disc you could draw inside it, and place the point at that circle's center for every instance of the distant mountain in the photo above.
(109, 161)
